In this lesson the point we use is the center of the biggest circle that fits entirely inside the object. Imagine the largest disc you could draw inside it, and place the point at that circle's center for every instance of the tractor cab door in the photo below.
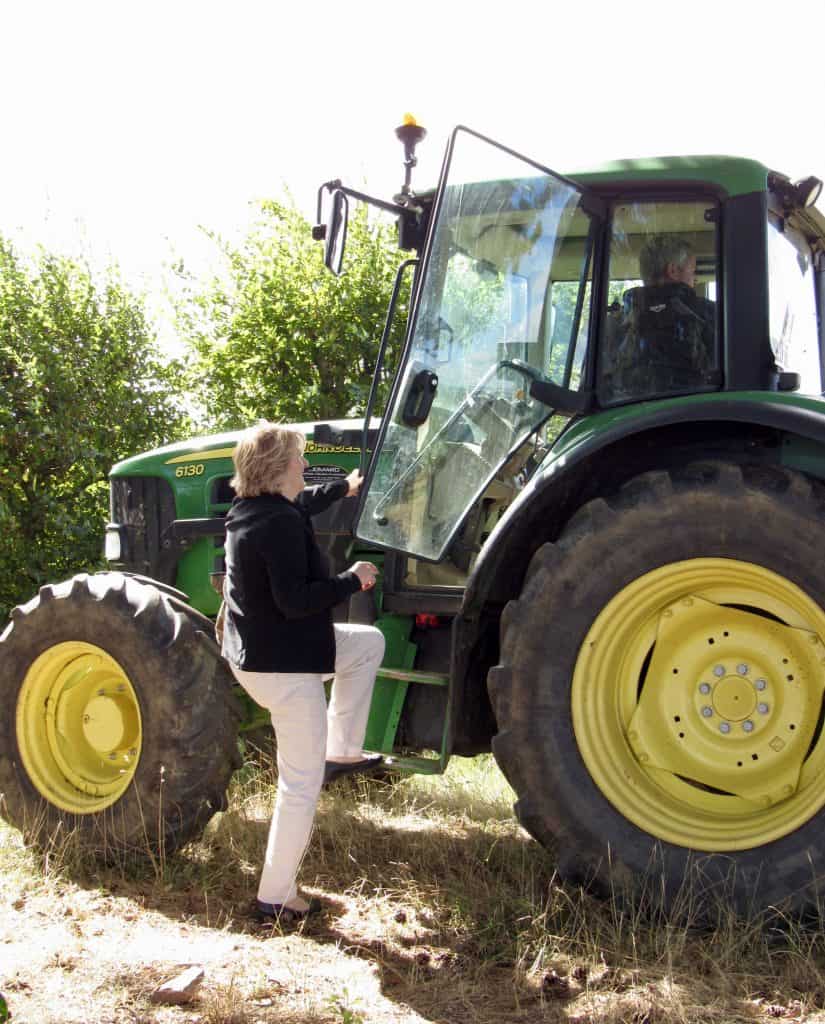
(500, 314)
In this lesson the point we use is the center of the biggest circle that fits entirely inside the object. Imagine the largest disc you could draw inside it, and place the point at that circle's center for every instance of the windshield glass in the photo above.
(793, 321)
(489, 321)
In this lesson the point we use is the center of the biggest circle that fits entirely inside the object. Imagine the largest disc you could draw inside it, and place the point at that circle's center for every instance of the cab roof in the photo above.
(734, 175)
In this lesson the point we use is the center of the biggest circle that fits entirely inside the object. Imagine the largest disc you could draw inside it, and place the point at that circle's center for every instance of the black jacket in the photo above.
(279, 593)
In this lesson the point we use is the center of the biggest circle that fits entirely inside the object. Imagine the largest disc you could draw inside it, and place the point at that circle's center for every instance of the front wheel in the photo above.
(660, 692)
(116, 717)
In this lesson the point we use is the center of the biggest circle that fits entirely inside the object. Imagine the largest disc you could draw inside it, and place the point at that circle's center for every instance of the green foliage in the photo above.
(81, 386)
(340, 1004)
(278, 336)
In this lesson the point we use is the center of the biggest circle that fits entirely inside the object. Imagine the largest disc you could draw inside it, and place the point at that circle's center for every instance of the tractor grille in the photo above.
(145, 506)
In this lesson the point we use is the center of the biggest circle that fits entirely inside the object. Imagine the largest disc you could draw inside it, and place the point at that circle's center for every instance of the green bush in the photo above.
(81, 386)
(277, 336)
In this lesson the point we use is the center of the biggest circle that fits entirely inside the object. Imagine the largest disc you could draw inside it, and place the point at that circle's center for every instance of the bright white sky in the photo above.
(126, 125)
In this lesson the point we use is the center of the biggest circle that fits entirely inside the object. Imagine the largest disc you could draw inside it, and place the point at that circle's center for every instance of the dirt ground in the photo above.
(73, 954)
(438, 909)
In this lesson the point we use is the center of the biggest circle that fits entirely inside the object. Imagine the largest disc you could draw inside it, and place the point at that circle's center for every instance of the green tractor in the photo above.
(596, 493)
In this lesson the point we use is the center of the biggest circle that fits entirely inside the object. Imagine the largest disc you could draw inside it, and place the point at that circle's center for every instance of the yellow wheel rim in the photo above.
(697, 704)
(78, 727)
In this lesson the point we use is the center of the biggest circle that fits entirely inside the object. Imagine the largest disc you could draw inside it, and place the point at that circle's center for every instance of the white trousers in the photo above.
(308, 733)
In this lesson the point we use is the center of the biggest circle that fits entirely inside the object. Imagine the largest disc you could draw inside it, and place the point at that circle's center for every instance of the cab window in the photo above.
(792, 305)
(661, 323)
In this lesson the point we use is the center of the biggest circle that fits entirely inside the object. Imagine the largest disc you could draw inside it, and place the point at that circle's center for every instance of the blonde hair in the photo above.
(262, 456)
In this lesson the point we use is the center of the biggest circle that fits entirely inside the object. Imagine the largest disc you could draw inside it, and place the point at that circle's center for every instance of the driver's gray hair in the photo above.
(658, 251)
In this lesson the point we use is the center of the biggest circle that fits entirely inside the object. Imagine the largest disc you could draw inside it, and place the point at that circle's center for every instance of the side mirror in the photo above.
(336, 234)
(331, 225)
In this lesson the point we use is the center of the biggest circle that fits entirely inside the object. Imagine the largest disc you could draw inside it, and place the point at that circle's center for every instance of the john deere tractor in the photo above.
(597, 495)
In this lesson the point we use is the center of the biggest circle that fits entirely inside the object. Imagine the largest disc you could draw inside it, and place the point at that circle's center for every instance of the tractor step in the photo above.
(415, 765)
(412, 675)
(392, 687)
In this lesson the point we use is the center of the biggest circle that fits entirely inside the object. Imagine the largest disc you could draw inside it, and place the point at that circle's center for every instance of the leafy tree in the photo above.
(81, 386)
(278, 336)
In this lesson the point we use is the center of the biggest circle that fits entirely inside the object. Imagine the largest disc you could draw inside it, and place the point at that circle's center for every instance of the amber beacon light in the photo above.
(410, 133)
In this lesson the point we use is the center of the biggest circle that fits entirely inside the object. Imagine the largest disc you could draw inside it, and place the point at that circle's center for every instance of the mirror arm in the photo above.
(319, 231)
(382, 204)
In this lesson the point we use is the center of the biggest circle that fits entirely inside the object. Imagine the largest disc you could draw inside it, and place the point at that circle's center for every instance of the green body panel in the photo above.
(388, 695)
(193, 576)
(633, 417)
(734, 175)
(191, 469)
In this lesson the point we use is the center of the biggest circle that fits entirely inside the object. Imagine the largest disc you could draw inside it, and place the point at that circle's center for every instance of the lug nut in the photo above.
(742, 669)
(719, 670)
(748, 726)
(707, 712)
(760, 684)
(704, 687)
(724, 727)
(762, 708)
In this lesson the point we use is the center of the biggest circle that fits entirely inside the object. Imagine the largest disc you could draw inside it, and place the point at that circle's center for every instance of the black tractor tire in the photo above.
(106, 661)
(581, 675)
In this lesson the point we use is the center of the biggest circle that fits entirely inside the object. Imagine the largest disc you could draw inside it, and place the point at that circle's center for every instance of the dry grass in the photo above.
(439, 909)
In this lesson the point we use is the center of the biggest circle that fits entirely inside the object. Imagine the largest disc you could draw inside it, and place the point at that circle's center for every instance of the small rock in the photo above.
(180, 989)
(400, 917)
(555, 985)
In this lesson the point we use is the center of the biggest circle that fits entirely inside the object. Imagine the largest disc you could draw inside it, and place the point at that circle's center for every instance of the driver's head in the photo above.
(667, 259)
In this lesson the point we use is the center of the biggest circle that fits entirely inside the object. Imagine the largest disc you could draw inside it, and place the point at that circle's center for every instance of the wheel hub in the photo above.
(702, 717)
(733, 699)
(105, 723)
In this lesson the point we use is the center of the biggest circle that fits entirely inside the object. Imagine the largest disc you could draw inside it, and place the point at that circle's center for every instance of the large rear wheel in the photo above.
(660, 692)
(116, 716)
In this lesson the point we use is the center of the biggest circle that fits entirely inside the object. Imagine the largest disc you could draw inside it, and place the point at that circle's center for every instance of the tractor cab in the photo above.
(540, 298)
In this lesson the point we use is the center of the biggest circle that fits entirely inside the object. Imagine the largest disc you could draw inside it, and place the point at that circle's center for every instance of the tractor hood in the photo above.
(333, 436)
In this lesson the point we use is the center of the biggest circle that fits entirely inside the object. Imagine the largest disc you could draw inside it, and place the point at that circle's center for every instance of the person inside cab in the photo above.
(660, 338)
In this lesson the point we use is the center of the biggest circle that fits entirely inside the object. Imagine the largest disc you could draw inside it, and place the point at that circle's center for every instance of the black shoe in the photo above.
(334, 770)
(277, 913)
